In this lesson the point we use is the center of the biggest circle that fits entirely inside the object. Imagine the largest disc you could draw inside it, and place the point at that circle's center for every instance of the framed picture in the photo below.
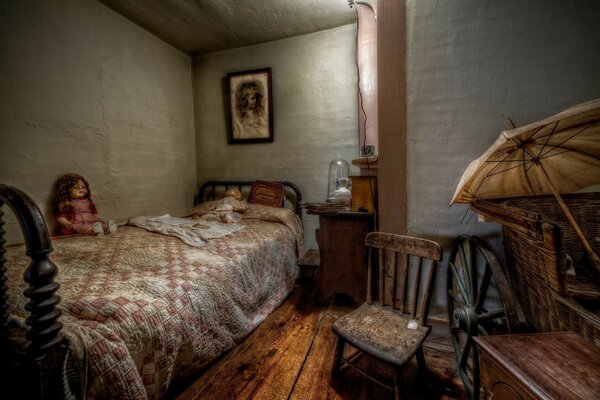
(250, 106)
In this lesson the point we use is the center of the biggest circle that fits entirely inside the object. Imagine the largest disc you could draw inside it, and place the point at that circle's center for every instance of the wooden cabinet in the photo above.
(538, 366)
(343, 256)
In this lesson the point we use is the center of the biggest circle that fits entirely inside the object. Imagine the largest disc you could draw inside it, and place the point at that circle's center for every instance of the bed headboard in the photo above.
(215, 189)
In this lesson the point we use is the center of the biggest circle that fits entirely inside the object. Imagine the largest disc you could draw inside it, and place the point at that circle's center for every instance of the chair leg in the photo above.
(398, 383)
(337, 357)
(421, 360)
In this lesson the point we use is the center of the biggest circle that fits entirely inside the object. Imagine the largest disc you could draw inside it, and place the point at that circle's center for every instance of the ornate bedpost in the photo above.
(3, 290)
(47, 349)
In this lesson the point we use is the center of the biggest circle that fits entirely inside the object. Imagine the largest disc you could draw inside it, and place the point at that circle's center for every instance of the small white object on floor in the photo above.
(413, 324)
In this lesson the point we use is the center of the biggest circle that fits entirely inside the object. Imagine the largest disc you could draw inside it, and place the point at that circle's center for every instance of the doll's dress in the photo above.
(84, 216)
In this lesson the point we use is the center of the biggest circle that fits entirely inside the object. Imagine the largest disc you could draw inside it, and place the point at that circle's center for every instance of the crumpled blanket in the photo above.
(281, 215)
(189, 231)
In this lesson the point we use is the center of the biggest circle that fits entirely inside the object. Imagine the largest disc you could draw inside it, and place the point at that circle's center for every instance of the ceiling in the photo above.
(203, 26)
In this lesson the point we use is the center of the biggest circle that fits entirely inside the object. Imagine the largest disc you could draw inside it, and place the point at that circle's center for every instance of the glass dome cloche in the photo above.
(338, 190)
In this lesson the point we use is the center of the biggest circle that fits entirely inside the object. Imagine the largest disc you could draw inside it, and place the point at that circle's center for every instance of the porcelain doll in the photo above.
(234, 198)
(74, 209)
(229, 209)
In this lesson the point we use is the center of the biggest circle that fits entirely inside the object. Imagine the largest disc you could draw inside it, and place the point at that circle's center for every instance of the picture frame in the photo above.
(250, 106)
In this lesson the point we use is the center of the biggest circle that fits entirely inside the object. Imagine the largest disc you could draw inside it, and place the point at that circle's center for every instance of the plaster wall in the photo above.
(84, 90)
(314, 85)
(471, 64)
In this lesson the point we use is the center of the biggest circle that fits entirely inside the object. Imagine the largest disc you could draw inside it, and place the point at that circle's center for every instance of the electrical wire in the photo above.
(363, 3)
(362, 107)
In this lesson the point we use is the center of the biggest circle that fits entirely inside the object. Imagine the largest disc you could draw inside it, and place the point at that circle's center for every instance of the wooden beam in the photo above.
(391, 82)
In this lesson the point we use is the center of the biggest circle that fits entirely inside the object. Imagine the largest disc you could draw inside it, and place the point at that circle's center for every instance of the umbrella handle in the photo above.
(593, 256)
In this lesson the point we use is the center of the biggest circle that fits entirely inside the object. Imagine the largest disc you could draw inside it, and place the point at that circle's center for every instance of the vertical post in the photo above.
(381, 276)
(427, 297)
(394, 274)
(404, 288)
(415, 287)
(370, 277)
(391, 104)
(3, 289)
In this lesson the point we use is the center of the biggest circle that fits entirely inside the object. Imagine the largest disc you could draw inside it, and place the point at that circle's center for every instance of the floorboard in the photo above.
(313, 381)
(289, 356)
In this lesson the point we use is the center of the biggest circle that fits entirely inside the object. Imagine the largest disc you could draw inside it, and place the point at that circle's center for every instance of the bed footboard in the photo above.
(41, 370)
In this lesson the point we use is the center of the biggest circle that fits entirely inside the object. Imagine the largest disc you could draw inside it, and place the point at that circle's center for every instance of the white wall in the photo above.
(84, 90)
(471, 64)
(314, 106)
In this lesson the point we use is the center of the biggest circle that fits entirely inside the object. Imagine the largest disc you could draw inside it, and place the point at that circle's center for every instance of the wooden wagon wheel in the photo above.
(480, 302)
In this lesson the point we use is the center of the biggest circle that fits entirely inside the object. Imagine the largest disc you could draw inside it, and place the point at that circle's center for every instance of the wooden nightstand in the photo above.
(538, 366)
(343, 257)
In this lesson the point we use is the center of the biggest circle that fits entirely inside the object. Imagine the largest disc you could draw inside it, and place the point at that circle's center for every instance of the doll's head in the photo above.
(68, 187)
(235, 193)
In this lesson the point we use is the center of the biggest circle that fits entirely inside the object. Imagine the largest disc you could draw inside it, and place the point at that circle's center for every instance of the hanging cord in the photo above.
(352, 3)
(363, 3)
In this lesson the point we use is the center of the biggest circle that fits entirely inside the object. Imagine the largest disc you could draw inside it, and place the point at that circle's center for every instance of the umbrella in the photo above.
(559, 154)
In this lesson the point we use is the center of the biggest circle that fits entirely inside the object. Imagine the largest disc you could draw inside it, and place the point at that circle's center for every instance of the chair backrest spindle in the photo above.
(392, 277)
(427, 295)
(370, 276)
(381, 276)
(415, 288)
(408, 263)
(403, 281)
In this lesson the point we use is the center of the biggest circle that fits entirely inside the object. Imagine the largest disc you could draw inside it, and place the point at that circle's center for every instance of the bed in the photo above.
(137, 310)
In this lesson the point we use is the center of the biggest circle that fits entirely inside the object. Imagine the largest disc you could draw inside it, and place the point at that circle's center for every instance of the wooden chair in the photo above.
(394, 328)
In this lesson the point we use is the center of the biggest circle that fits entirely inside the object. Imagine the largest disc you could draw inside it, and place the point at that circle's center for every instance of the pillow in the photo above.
(266, 193)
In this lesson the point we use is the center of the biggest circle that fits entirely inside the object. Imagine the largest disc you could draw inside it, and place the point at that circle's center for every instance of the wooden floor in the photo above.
(289, 357)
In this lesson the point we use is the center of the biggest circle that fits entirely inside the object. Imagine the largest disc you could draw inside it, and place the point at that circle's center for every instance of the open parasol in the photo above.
(559, 154)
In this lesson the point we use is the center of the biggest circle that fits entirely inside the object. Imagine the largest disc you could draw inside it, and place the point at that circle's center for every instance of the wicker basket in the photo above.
(539, 245)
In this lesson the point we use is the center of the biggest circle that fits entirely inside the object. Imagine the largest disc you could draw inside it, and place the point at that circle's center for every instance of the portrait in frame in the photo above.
(250, 106)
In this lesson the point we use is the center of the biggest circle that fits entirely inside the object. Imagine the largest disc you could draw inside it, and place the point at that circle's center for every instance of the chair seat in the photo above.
(382, 332)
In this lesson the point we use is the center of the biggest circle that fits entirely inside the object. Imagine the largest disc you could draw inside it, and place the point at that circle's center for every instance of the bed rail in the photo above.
(212, 189)
(41, 370)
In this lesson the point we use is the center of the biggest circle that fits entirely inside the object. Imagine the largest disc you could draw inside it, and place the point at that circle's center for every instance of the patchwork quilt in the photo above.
(142, 309)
